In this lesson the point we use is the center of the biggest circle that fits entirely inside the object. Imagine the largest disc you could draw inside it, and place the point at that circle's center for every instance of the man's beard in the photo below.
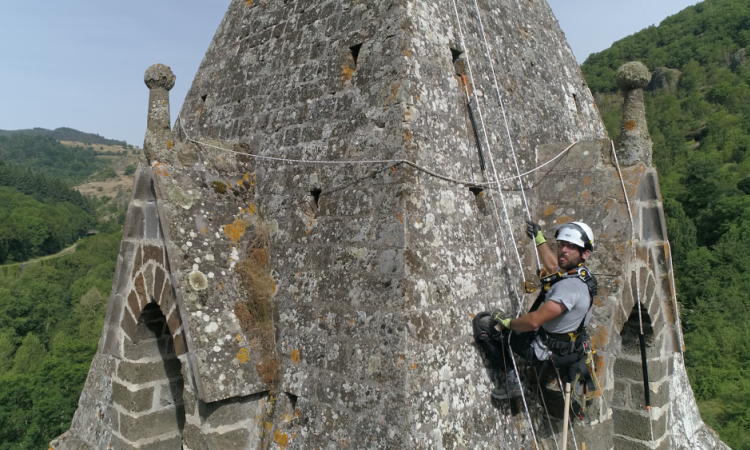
(571, 264)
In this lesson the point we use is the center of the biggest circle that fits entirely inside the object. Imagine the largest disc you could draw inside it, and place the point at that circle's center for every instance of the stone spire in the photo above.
(159, 79)
(634, 144)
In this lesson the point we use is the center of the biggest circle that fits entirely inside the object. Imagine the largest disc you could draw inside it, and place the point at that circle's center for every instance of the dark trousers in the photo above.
(495, 344)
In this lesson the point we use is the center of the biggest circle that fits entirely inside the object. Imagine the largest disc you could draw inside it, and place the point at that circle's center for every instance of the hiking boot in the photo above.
(511, 389)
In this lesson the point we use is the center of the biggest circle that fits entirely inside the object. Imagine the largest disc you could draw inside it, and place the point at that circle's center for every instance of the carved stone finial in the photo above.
(635, 144)
(159, 79)
(632, 75)
(159, 76)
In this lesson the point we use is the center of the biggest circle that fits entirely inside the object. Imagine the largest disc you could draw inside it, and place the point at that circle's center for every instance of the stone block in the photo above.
(159, 277)
(623, 443)
(145, 348)
(651, 224)
(128, 324)
(153, 253)
(151, 221)
(621, 394)
(133, 228)
(138, 373)
(180, 346)
(134, 304)
(635, 424)
(137, 261)
(658, 398)
(140, 288)
(235, 439)
(193, 437)
(143, 186)
(134, 401)
(148, 275)
(230, 411)
(151, 425)
(174, 321)
(647, 188)
(630, 369)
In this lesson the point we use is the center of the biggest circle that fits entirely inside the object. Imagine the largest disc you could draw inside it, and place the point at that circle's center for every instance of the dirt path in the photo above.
(63, 252)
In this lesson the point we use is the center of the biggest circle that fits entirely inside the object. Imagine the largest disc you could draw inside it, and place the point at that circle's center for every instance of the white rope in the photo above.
(505, 121)
(637, 289)
(374, 161)
(502, 197)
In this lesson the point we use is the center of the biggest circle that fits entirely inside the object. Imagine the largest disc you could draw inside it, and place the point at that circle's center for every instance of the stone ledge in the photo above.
(149, 426)
(139, 373)
(135, 401)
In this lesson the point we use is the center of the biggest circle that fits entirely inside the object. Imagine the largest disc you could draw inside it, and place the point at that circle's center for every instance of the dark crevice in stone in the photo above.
(355, 52)
(479, 198)
(204, 96)
(455, 54)
(292, 399)
(578, 103)
(316, 197)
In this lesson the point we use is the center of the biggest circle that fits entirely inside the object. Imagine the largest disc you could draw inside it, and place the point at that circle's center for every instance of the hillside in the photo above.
(698, 112)
(67, 134)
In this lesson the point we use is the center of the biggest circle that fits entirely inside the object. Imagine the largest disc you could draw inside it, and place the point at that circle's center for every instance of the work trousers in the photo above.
(495, 344)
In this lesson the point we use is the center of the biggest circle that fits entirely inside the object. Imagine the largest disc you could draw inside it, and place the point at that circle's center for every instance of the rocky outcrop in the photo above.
(665, 80)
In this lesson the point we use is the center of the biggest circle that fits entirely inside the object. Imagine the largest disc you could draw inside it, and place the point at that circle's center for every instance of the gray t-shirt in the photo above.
(574, 294)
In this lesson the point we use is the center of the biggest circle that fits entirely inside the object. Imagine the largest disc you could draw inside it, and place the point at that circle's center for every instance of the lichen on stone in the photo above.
(198, 280)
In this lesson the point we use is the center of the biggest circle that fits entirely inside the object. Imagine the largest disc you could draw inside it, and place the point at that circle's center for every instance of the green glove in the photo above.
(534, 231)
(498, 316)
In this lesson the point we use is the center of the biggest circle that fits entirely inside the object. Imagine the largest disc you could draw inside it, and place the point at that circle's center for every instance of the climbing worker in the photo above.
(554, 327)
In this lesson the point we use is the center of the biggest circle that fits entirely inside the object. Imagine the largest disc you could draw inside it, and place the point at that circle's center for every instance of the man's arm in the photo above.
(533, 320)
(547, 257)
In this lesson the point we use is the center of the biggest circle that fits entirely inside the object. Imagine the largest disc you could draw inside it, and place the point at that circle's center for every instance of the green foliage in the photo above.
(701, 136)
(129, 169)
(105, 174)
(29, 228)
(66, 134)
(51, 317)
(46, 155)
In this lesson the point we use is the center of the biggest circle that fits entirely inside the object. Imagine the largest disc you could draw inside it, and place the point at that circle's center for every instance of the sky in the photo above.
(80, 63)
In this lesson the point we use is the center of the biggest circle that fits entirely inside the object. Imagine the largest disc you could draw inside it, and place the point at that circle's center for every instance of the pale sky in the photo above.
(80, 63)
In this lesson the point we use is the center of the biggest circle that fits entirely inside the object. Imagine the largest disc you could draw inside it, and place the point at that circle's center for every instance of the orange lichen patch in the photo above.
(585, 194)
(161, 169)
(238, 337)
(393, 169)
(564, 219)
(471, 315)
(249, 2)
(549, 210)
(309, 226)
(346, 74)
(413, 366)
(609, 204)
(282, 439)
(407, 53)
(235, 230)
(408, 135)
(598, 301)
(243, 355)
(169, 144)
(587, 181)
(203, 230)
(629, 125)
(400, 218)
(600, 338)
(295, 356)
(394, 90)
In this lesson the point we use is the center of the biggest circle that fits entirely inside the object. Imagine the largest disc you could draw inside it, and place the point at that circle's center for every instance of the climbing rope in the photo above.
(641, 336)
(393, 162)
(507, 219)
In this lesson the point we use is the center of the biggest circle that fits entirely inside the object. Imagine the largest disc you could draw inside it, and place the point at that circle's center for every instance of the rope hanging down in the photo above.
(641, 336)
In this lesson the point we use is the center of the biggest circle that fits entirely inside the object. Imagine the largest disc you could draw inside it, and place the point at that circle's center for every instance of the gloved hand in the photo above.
(499, 317)
(534, 231)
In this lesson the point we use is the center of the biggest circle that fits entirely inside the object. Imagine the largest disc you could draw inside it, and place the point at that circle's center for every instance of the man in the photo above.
(554, 327)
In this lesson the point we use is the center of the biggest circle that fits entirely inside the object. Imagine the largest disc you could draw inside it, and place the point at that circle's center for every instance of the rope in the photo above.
(394, 162)
(505, 121)
(502, 198)
(646, 386)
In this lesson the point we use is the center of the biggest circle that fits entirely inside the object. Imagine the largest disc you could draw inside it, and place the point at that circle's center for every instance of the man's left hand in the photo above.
(504, 322)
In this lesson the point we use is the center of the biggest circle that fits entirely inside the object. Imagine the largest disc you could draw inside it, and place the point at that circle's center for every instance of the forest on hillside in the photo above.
(67, 134)
(698, 116)
(51, 311)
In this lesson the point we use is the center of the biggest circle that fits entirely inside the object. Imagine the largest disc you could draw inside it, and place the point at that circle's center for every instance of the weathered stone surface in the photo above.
(138, 373)
(664, 79)
(148, 426)
(133, 401)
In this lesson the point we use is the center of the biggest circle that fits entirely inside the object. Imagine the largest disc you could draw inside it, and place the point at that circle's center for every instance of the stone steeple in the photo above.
(325, 287)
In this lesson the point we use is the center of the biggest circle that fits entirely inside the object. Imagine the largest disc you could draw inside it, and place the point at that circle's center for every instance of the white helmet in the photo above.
(577, 233)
